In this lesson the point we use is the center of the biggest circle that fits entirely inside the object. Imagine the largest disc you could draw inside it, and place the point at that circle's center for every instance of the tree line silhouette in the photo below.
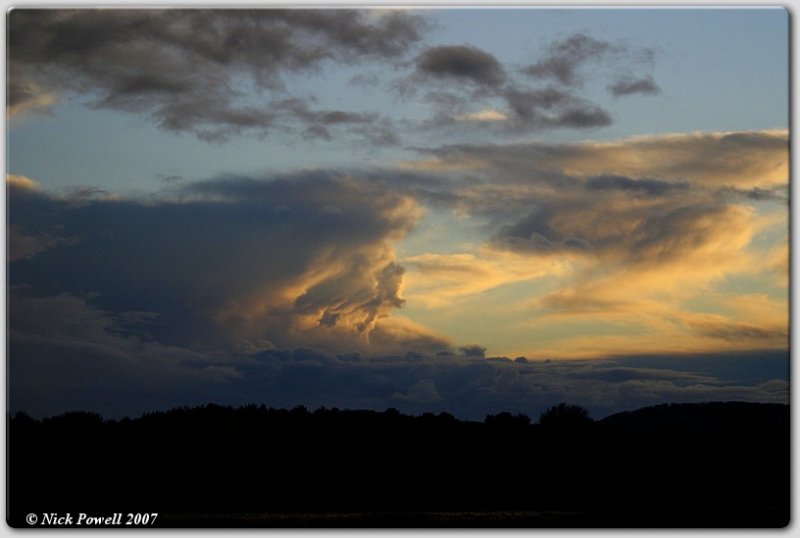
(680, 465)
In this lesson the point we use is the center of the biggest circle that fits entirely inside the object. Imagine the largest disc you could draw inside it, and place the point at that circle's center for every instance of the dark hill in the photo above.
(698, 465)
(700, 417)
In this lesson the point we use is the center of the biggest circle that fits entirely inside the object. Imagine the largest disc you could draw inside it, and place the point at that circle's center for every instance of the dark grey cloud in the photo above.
(256, 40)
(319, 124)
(473, 351)
(539, 232)
(779, 193)
(76, 358)
(201, 71)
(367, 81)
(630, 85)
(461, 63)
(492, 99)
(668, 232)
(67, 355)
(299, 259)
(570, 61)
(552, 108)
(644, 186)
(739, 332)
(171, 178)
(18, 93)
(21, 93)
(565, 58)
(124, 307)
(515, 109)
(742, 160)
(209, 292)
(545, 200)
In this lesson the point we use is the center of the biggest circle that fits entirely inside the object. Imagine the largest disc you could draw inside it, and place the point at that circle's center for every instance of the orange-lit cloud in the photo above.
(437, 280)
(623, 263)
(638, 230)
(28, 99)
(21, 182)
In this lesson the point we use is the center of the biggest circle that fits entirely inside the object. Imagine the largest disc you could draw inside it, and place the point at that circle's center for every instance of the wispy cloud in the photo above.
(630, 85)
(565, 57)
(637, 249)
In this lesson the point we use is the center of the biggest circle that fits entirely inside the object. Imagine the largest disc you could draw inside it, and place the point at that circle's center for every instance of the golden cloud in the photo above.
(437, 280)
(639, 231)
(21, 182)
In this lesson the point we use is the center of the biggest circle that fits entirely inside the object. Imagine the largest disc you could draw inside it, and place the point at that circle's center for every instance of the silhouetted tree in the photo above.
(565, 416)
(195, 466)
(506, 418)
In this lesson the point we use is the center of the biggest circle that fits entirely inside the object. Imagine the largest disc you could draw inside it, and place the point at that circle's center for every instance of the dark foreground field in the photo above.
(699, 465)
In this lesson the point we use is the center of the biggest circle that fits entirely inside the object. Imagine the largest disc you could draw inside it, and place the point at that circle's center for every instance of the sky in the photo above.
(461, 210)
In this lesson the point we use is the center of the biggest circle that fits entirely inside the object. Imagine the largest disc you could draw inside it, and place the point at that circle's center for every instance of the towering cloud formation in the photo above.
(216, 290)
(295, 261)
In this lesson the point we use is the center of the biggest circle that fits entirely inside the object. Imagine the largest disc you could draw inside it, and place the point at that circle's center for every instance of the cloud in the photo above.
(487, 114)
(643, 186)
(368, 126)
(21, 182)
(629, 86)
(513, 110)
(566, 56)
(27, 98)
(637, 236)
(164, 178)
(776, 192)
(20, 244)
(743, 332)
(473, 351)
(297, 260)
(286, 291)
(53, 370)
(743, 159)
(66, 355)
(641, 232)
(512, 105)
(220, 73)
(778, 261)
(439, 280)
(569, 62)
(461, 63)
(423, 391)
(551, 108)
(199, 71)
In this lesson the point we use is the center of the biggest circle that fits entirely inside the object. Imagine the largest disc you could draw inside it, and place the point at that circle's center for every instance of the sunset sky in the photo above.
(466, 210)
